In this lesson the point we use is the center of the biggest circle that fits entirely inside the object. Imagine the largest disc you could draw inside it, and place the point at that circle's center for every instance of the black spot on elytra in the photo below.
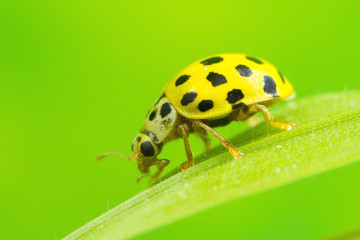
(254, 60)
(152, 115)
(147, 149)
(270, 86)
(205, 105)
(243, 70)
(234, 95)
(165, 109)
(282, 77)
(216, 79)
(138, 139)
(212, 60)
(239, 105)
(188, 98)
(181, 80)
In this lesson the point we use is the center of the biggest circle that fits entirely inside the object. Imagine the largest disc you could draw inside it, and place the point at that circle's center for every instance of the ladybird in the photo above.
(209, 93)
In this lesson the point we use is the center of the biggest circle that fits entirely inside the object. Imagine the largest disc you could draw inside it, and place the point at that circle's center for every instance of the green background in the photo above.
(77, 78)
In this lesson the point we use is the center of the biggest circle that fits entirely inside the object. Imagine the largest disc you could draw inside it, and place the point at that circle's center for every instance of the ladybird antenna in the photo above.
(101, 156)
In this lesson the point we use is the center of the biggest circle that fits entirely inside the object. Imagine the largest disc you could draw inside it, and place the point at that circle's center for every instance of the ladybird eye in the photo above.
(147, 149)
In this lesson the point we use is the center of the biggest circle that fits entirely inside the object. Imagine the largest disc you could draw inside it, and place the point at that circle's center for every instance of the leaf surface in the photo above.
(327, 136)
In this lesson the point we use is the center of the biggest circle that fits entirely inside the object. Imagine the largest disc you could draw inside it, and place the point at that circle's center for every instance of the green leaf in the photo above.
(327, 136)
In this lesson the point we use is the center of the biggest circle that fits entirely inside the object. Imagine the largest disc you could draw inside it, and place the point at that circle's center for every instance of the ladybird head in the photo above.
(145, 151)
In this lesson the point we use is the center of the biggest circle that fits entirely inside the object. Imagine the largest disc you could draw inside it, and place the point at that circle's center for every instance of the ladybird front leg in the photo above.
(138, 179)
(233, 150)
(161, 164)
(183, 130)
(253, 108)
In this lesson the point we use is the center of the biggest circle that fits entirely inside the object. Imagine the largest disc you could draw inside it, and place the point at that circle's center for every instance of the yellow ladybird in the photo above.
(208, 93)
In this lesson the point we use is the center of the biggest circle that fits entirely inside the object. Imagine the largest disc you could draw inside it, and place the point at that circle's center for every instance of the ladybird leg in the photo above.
(160, 166)
(253, 121)
(138, 179)
(183, 130)
(233, 150)
(202, 133)
(267, 116)
(144, 169)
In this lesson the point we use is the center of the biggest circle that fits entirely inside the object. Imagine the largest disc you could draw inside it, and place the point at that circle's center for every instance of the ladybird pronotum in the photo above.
(209, 93)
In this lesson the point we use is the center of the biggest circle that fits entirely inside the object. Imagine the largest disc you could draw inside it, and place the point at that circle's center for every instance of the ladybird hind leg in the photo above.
(183, 130)
(254, 108)
(204, 137)
(233, 150)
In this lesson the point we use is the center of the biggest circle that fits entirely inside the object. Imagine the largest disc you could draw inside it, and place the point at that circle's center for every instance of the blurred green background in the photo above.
(77, 78)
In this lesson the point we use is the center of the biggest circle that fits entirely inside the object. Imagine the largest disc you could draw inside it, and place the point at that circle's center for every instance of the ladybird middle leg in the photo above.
(254, 108)
(233, 150)
(183, 130)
